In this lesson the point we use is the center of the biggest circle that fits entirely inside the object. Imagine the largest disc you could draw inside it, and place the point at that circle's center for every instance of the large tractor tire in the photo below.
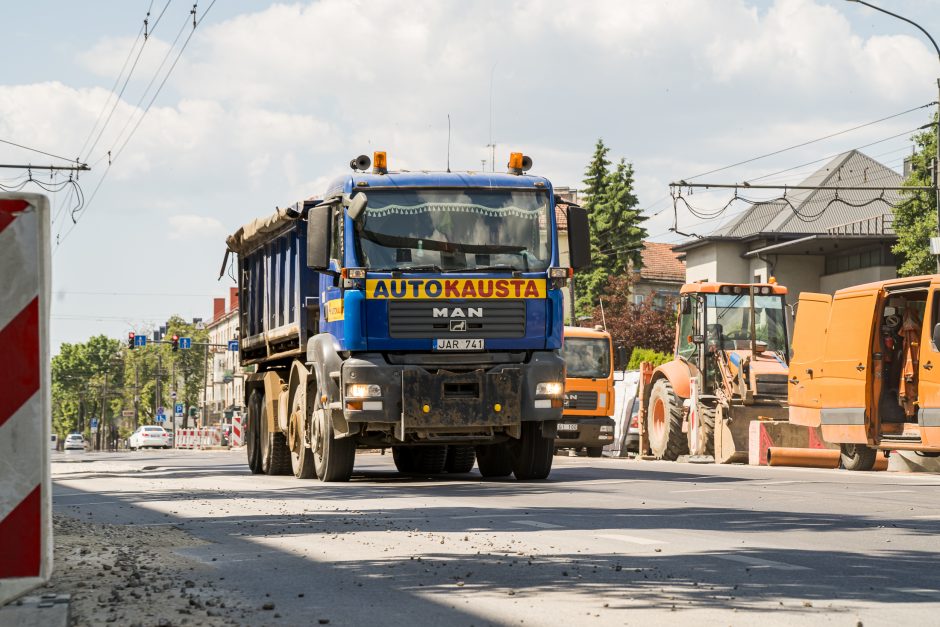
(493, 460)
(664, 423)
(532, 454)
(704, 432)
(858, 456)
(275, 454)
(420, 460)
(253, 432)
(301, 457)
(460, 459)
(333, 457)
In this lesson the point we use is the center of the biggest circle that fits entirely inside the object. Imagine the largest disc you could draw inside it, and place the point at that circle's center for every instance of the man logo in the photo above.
(457, 312)
(458, 325)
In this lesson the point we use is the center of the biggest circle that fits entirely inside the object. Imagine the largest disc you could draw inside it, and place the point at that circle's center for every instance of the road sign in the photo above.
(173, 394)
(140, 340)
(128, 413)
(233, 345)
(178, 410)
(160, 418)
(186, 342)
(160, 410)
(94, 423)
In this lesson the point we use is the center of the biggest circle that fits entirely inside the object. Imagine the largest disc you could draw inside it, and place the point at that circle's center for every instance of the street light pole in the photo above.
(936, 163)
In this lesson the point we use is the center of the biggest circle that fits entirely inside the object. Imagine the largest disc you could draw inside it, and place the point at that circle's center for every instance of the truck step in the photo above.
(335, 375)
(337, 406)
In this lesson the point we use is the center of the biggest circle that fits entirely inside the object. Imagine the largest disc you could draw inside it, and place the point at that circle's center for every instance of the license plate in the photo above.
(462, 344)
(567, 427)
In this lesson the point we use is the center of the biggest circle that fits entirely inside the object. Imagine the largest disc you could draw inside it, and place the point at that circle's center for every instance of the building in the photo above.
(811, 240)
(226, 381)
(662, 274)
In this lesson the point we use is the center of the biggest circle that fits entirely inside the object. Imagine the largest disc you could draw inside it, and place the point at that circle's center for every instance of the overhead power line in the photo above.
(42, 152)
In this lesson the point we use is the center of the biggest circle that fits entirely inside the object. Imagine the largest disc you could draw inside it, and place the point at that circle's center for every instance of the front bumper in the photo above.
(420, 398)
(587, 432)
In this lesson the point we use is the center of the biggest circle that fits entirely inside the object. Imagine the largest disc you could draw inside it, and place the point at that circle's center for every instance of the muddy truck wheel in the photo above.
(404, 460)
(857, 456)
(460, 459)
(493, 460)
(531, 455)
(420, 460)
(333, 457)
(701, 436)
(252, 433)
(301, 457)
(275, 455)
(664, 423)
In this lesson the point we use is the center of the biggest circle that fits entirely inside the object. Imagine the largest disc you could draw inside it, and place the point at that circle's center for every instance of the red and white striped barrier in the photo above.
(238, 433)
(200, 437)
(25, 494)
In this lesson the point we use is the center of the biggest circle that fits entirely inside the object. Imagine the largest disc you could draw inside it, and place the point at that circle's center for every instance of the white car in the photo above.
(149, 436)
(74, 442)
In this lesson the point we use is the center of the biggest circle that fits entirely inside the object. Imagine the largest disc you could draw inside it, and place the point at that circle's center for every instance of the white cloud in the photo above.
(190, 226)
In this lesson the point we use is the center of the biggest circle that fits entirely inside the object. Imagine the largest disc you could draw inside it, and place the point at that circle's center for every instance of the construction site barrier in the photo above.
(25, 490)
(198, 438)
(238, 432)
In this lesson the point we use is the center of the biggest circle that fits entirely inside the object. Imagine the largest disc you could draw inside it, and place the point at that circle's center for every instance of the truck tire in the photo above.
(664, 423)
(420, 460)
(493, 460)
(404, 459)
(594, 451)
(302, 461)
(531, 455)
(252, 432)
(333, 457)
(706, 414)
(858, 456)
(460, 459)
(275, 454)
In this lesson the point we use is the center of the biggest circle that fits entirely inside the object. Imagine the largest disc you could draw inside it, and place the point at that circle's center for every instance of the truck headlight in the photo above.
(363, 390)
(550, 388)
(607, 429)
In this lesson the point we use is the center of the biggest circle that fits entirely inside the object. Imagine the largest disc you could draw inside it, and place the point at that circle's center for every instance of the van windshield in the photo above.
(728, 321)
(587, 358)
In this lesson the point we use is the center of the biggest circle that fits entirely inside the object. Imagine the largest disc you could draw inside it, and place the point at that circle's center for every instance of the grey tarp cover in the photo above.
(257, 230)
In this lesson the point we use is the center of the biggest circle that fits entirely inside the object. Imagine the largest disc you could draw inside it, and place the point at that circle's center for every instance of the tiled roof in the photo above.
(661, 263)
(561, 216)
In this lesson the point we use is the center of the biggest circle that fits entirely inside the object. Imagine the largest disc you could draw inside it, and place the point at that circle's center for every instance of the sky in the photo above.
(268, 102)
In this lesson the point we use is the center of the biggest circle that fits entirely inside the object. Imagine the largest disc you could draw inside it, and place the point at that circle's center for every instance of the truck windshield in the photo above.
(587, 358)
(456, 229)
(728, 321)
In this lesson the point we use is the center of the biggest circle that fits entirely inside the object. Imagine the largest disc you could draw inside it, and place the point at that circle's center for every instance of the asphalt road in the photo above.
(604, 541)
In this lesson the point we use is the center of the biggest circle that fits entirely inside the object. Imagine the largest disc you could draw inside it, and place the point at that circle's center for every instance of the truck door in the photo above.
(809, 340)
(928, 392)
(846, 367)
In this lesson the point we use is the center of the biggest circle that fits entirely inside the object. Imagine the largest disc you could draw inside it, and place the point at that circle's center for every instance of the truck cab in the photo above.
(865, 368)
(589, 391)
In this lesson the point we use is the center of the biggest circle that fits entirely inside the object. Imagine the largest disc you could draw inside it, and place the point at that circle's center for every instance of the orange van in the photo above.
(863, 368)
(589, 391)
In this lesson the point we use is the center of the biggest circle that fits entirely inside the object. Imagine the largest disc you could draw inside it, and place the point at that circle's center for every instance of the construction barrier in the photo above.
(766, 434)
(199, 437)
(238, 437)
(25, 490)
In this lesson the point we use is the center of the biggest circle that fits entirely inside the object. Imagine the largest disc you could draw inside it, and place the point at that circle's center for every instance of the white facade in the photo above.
(225, 386)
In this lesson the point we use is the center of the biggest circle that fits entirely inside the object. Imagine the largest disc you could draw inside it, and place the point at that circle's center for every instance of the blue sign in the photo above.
(94, 423)
(161, 418)
(140, 340)
(233, 345)
(186, 342)
(178, 410)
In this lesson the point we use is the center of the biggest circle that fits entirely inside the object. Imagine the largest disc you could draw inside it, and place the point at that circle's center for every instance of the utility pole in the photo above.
(104, 400)
(205, 384)
(136, 395)
(158, 393)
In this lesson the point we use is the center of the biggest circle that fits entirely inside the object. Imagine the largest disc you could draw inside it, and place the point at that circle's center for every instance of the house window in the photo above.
(859, 259)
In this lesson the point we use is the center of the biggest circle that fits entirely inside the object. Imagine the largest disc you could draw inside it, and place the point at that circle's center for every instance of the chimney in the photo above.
(218, 308)
(232, 298)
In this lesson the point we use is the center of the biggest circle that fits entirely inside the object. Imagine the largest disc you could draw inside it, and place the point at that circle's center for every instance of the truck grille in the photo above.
(580, 400)
(456, 319)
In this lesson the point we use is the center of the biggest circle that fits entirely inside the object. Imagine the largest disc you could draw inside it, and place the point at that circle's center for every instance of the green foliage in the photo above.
(640, 355)
(79, 375)
(636, 326)
(915, 219)
(616, 226)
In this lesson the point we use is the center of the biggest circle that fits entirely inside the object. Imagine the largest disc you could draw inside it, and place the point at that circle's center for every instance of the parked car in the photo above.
(149, 436)
(626, 385)
(631, 443)
(74, 442)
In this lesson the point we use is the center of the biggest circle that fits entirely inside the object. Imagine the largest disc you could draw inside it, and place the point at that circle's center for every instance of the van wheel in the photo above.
(460, 459)
(531, 455)
(664, 423)
(275, 455)
(493, 460)
(333, 457)
(253, 432)
(858, 456)
(701, 437)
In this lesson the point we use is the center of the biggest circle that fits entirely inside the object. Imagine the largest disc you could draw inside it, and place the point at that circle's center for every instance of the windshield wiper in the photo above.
(724, 310)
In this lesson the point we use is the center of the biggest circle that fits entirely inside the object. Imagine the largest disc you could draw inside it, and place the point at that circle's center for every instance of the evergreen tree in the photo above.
(616, 227)
(915, 219)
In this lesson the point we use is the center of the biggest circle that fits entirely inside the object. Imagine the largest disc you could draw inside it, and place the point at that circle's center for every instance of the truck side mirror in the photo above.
(579, 238)
(622, 358)
(936, 336)
(318, 236)
(357, 206)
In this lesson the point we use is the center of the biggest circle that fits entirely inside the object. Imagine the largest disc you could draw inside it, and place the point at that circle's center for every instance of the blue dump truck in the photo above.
(417, 311)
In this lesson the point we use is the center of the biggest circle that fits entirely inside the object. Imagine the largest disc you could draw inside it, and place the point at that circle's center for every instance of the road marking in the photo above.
(536, 523)
(631, 539)
(928, 516)
(921, 592)
(760, 563)
(700, 490)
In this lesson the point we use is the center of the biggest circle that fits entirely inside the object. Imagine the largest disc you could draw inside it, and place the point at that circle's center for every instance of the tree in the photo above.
(615, 221)
(79, 374)
(636, 325)
(915, 218)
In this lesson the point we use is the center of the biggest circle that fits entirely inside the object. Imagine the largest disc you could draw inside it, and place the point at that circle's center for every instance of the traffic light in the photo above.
(130, 340)
(176, 342)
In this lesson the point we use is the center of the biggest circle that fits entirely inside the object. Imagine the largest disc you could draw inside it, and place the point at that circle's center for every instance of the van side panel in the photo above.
(809, 340)
(928, 392)
(846, 367)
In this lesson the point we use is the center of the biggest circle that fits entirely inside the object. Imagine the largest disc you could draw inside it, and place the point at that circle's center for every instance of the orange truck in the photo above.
(589, 391)
(863, 368)
(730, 369)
